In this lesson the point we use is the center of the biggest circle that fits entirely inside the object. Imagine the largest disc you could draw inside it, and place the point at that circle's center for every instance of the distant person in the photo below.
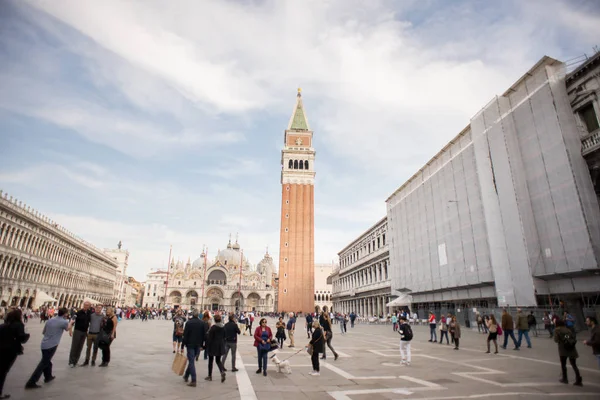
(508, 328)
(12, 337)
(318, 344)
(406, 335)
(309, 324)
(291, 327)
(53, 331)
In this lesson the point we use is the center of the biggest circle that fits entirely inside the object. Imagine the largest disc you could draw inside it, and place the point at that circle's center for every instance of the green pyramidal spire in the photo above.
(299, 121)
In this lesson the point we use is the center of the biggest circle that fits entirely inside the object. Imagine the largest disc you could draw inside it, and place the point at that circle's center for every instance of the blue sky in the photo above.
(161, 123)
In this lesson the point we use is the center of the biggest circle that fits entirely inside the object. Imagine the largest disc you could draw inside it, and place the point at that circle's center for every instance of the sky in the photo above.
(161, 123)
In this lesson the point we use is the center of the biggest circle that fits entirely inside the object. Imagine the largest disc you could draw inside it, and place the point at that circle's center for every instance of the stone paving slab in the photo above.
(367, 369)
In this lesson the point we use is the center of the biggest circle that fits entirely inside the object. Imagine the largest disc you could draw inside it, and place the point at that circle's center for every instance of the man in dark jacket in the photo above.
(82, 323)
(232, 330)
(594, 340)
(194, 336)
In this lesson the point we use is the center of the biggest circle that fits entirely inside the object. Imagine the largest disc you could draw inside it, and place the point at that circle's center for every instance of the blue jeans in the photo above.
(524, 332)
(433, 334)
(507, 333)
(192, 353)
(262, 359)
(45, 366)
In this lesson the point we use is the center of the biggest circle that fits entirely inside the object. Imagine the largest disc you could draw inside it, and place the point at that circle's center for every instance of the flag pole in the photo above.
(204, 279)
(240, 286)
(168, 269)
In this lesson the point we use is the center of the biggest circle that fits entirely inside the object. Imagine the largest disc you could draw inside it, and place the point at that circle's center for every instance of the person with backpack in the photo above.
(406, 335)
(12, 338)
(178, 329)
(566, 350)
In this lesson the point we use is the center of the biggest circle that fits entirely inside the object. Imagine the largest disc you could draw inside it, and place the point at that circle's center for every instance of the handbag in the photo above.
(310, 349)
(179, 364)
(103, 339)
(499, 330)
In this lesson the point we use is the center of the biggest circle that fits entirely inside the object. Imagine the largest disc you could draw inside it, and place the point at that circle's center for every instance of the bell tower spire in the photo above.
(296, 247)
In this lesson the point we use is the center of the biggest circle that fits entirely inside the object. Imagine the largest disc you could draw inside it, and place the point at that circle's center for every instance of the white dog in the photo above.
(281, 365)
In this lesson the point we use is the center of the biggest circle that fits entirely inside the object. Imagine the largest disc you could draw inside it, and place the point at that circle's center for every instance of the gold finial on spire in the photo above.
(299, 92)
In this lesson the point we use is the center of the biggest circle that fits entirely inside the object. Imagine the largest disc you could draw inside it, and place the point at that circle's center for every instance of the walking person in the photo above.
(325, 322)
(194, 337)
(80, 331)
(262, 340)
(291, 327)
(318, 345)
(53, 331)
(215, 346)
(309, 325)
(206, 318)
(480, 323)
(406, 335)
(280, 335)
(548, 323)
(432, 326)
(394, 322)
(565, 339)
(12, 337)
(532, 322)
(352, 319)
(232, 331)
(523, 327)
(96, 319)
(508, 328)
(107, 334)
(492, 326)
(594, 340)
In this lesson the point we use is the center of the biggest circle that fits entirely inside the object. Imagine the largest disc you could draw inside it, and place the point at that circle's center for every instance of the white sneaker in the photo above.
(402, 363)
(315, 373)
(408, 363)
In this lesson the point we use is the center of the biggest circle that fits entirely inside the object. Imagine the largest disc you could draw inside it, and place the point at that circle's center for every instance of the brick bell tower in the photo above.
(297, 238)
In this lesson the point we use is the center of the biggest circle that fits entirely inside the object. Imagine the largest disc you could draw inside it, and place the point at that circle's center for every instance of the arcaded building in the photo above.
(506, 214)
(43, 263)
(297, 238)
(361, 282)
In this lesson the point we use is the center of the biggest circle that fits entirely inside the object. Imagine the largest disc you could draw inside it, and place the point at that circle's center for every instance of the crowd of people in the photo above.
(208, 334)
(94, 328)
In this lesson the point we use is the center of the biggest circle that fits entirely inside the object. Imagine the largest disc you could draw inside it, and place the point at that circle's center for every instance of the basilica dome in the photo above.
(199, 262)
(231, 256)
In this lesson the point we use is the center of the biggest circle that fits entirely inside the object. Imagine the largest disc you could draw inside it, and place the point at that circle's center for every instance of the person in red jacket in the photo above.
(262, 342)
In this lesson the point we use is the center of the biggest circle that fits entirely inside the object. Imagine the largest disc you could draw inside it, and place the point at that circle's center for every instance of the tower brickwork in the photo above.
(297, 238)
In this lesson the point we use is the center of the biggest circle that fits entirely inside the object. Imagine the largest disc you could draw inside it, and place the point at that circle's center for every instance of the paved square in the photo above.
(368, 368)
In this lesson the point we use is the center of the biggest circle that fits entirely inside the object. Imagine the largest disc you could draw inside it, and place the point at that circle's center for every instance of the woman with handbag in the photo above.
(492, 326)
(325, 322)
(107, 334)
(443, 330)
(316, 346)
(280, 335)
(455, 331)
(12, 337)
(262, 342)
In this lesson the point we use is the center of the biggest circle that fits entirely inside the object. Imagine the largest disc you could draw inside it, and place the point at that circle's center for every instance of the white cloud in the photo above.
(385, 85)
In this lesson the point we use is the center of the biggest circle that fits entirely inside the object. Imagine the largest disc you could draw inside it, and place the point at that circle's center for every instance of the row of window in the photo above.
(23, 240)
(366, 276)
(298, 164)
(28, 271)
(367, 249)
(322, 297)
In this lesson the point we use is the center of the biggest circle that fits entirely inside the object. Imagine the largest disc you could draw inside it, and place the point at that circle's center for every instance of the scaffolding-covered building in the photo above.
(506, 213)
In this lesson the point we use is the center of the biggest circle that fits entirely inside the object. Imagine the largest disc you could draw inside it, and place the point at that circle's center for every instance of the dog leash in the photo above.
(293, 355)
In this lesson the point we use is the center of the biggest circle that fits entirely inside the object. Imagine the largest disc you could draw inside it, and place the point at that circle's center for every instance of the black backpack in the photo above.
(568, 340)
(407, 333)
